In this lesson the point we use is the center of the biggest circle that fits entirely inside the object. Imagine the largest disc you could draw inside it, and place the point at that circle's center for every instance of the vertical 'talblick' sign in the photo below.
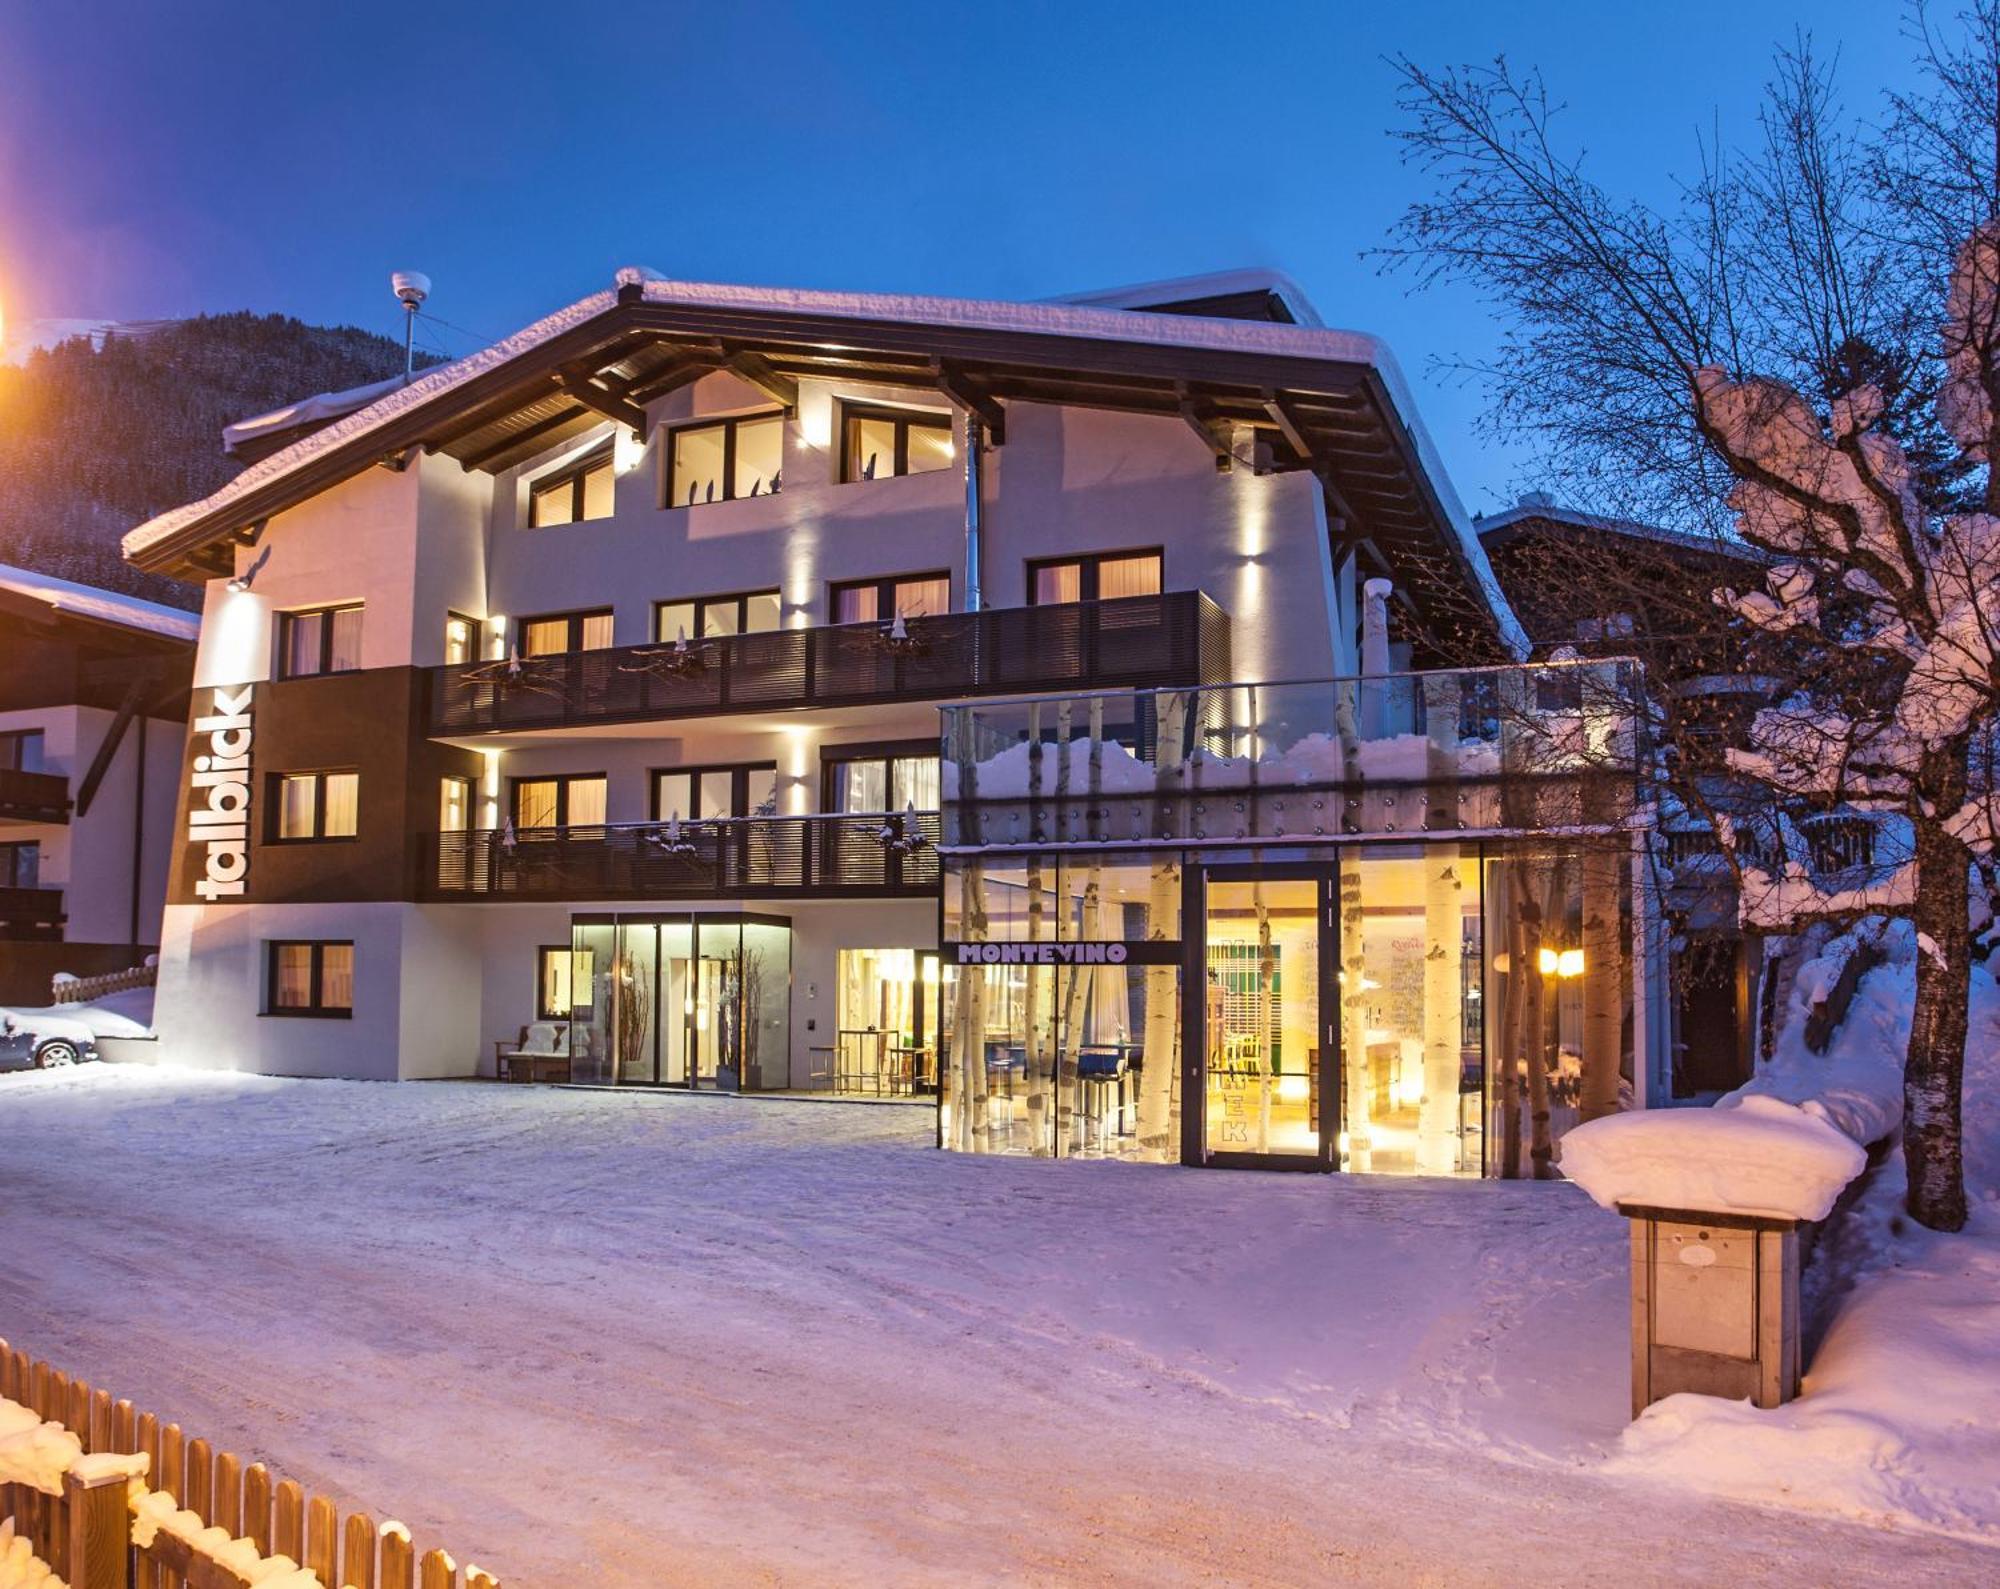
(219, 795)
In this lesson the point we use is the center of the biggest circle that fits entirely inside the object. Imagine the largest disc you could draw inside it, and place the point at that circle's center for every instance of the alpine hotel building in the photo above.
(1095, 717)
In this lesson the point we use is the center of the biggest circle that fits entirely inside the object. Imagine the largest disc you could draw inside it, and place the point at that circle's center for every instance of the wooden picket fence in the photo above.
(70, 1531)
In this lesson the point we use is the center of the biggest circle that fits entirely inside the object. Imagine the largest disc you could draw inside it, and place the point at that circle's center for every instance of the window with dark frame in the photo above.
(879, 443)
(21, 750)
(461, 638)
(310, 977)
(454, 803)
(701, 794)
(319, 640)
(310, 806)
(1100, 576)
(719, 460)
(552, 634)
(880, 600)
(562, 800)
(892, 777)
(21, 865)
(554, 963)
(709, 617)
(574, 495)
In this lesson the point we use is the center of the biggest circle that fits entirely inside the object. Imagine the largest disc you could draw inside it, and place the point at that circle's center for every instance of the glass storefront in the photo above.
(695, 1001)
(886, 1009)
(1417, 1008)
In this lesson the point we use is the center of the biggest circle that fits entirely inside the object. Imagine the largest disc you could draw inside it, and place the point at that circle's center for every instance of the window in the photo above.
(753, 612)
(559, 971)
(879, 442)
(570, 800)
(582, 491)
(727, 458)
(20, 865)
(310, 978)
(566, 631)
(315, 805)
(320, 640)
(1105, 576)
(691, 793)
(454, 804)
(21, 750)
(879, 600)
(461, 638)
(880, 777)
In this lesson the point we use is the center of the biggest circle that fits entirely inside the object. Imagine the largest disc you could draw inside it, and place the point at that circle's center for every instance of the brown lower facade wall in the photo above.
(28, 969)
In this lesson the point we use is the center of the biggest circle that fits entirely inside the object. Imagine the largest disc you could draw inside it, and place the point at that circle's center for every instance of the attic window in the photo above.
(580, 492)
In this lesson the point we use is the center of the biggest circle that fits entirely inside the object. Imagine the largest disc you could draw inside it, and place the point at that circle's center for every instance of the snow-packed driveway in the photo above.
(594, 1339)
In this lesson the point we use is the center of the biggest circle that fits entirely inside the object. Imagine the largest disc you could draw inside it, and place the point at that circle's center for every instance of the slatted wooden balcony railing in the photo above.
(33, 796)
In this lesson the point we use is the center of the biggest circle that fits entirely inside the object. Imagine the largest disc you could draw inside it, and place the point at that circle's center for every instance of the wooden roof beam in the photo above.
(593, 396)
(1214, 435)
(528, 433)
(756, 369)
(974, 399)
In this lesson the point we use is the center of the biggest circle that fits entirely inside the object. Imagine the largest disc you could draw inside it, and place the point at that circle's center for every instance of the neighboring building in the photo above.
(93, 712)
(596, 679)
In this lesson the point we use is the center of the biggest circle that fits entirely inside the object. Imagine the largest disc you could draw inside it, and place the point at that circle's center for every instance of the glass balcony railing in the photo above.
(1513, 749)
(1133, 642)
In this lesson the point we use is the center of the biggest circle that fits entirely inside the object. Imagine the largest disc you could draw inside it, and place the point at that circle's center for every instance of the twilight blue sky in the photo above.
(163, 158)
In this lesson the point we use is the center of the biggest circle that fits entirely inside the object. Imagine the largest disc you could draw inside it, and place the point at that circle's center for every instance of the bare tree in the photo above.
(1805, 352)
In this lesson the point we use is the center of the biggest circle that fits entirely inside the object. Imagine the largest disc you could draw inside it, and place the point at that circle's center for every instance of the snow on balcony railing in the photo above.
(1542, 748)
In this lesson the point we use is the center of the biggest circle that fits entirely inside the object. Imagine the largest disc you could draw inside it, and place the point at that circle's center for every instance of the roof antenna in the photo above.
(412, 288)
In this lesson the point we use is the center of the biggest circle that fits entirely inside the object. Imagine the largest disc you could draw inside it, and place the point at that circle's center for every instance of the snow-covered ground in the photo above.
(588, 1338)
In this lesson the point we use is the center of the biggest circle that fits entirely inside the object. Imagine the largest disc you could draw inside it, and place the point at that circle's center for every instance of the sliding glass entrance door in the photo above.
(1266, 1017)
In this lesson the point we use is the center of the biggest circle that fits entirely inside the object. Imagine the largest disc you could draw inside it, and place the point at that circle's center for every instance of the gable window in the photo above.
(461, 638)
(314, 805)
(880, 777)
(309, 977)
(753, 612)
(879, 442)
(725, 458)
(568, 800)
(21, 865)
(1103, 576)
(21, 750)
(705, 793)
(879, 600)
(580, 492)
(566, 631)
(319, 640)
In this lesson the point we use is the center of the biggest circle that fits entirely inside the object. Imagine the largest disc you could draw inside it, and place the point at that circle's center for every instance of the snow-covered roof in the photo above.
(1214, 284)
(101, 606)
(1071, 320)
(1530, 510)
(307, 411)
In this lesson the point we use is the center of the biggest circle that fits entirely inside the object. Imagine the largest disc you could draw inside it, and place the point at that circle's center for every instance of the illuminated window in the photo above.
(559, 972)
(880, 777)
(319, 640)
(754, 612)
(880, 442)
(571, 800)
(582, 491)
(461, 638)
(309, 978)
(879, 600)
(454, 804)
(726, 458)
(699, 793)
(1105, 576)
(315, 805)
(566, 631)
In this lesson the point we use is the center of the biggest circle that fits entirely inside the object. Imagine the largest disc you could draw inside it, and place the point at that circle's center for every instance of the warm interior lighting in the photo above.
(1547, 962)
(1294, 1089)
(1570, 963)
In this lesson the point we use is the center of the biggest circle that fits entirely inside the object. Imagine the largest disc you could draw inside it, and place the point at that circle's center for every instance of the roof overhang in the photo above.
(1315, 401)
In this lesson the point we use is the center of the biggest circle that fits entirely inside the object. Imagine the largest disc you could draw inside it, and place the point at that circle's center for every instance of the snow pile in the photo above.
(1786, 1143)
(1899, 1421)
(125, 1014)
(157, 1513)
(20, 1567)
(32, 1452)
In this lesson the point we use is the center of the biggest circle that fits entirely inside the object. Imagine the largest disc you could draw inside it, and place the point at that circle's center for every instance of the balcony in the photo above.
(1131, 642)
(30, 913)
(863, 855)
(1542, 748)
(33, 796)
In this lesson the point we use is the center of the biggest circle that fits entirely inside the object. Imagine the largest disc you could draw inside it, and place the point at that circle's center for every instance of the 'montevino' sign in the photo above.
(1093, 952)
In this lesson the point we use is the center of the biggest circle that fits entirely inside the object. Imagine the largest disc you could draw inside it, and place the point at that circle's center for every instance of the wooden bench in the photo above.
(540, 1054)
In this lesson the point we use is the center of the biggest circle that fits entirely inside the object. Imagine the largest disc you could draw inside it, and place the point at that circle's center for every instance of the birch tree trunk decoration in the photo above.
(1603, 945)
(971, 1126)
(1035, 1047)
(1541, 1149)
(1159, 1125)
(1076, 1006)
(1267, 1045)
(1354, 1021)
(1444, 941)
(1513, 1019)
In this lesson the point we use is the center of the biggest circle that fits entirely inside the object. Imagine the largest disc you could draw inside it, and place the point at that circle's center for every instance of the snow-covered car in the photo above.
(36, 1039)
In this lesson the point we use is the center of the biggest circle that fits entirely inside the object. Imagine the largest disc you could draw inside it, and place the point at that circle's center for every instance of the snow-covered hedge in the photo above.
(1786, 1143)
